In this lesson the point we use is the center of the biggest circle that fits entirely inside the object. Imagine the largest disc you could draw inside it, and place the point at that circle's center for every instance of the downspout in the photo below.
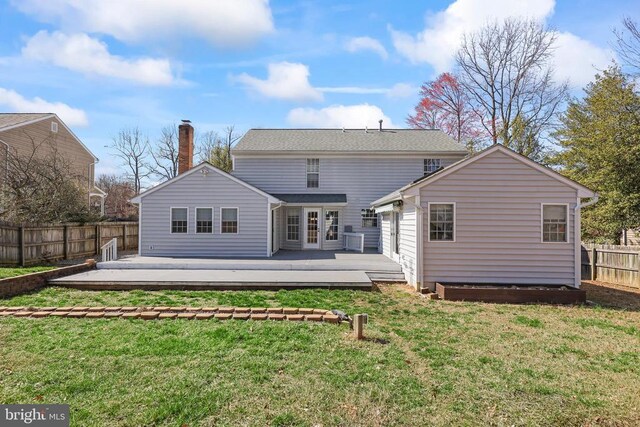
(577, 237)
(269, 227)
(91, 181)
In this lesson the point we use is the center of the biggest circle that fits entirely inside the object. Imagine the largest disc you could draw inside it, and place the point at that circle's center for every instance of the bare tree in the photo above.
(216, 150)
(42, 186)
(505, 69)
(165, 154)
(132, 148)
(119, 191)
(628, 45)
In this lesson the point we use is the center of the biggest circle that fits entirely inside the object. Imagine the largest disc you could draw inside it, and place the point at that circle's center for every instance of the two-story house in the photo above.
(414, 195)
(44, 135)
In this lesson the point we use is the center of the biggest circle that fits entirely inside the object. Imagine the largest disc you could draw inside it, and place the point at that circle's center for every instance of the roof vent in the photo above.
(366, 129)
(380, 122)
(342, 129)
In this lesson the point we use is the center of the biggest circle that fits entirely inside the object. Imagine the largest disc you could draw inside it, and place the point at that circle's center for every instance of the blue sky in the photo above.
(104, 65)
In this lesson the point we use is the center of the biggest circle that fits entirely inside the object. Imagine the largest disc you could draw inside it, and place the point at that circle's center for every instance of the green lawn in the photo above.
(426, 363)
(19, 271)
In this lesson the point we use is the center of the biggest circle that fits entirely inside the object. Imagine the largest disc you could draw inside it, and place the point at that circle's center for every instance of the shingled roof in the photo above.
(347, 140)
(12, 119)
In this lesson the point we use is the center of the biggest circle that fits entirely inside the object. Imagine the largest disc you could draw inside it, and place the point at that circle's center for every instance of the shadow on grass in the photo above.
(612, 296)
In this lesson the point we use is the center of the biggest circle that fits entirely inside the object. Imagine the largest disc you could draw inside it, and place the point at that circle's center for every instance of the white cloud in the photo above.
(578, 60)
(358, 44)
(224, 23)
(87, 55)
(402, 90)
(285, 80)
(337, 116)
(13, 101)
(399, 90)
(439, 41)
(437, 44)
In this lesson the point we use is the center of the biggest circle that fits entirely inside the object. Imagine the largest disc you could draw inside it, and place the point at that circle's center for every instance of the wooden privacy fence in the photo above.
(29, 244)
(611, 263)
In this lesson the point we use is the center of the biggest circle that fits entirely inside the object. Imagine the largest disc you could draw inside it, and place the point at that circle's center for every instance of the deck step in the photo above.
(385, 276)
(213, 280)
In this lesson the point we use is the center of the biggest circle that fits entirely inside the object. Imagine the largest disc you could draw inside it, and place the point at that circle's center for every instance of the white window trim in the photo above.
(542, 205)
(237, 219)
(455, 222)
(324, 232)
(195, 219)
(54, 127)
(171, 218)
(286, 223)
(424, 164)
(377, 218)
(307, 171)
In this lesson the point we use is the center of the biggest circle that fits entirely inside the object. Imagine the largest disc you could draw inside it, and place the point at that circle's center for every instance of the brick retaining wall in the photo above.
(13, 286)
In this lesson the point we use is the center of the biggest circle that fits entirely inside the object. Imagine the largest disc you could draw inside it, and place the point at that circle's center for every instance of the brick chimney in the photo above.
(185, 146)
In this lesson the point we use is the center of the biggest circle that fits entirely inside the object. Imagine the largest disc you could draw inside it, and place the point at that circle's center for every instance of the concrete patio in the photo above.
(285, 270)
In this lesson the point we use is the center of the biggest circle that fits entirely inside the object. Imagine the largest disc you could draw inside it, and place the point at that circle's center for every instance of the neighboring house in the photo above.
(414, 194)
(26, 134)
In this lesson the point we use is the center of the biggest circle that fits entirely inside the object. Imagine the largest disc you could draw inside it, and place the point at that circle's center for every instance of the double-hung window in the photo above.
(369, 218)
(332, 225)
(204, 220)
(293, 225)
(432, 165)
(179, 220)
(313, 173)
(554, 223)
(229, 220)
(442, 217)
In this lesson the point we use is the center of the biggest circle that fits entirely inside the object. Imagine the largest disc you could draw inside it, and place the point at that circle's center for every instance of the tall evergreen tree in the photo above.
(600, 135)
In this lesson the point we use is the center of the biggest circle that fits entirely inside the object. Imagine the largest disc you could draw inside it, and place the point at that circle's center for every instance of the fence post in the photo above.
(594, 265)
(124, 237)
(65, 239)
(21, 259)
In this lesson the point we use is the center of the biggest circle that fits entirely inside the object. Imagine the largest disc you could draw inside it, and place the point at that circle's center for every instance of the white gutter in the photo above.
(577, 237)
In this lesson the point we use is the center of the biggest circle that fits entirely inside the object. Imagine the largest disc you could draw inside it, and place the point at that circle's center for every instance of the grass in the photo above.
(425, 363)
(6, 272)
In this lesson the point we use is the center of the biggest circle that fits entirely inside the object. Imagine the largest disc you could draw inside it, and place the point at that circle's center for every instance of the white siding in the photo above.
(363, 179)
(408, 243)
(197, 190)
(385, 230)
(498, 226)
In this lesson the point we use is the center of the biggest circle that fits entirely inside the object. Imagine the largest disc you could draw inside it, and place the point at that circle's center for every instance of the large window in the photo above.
(554, 223)
(313, 173)
(331, 225)
(229, 220)
(442, 222)
(369, 218)
(204, 220)
(293, 225)
(179, 220)
(432, 165)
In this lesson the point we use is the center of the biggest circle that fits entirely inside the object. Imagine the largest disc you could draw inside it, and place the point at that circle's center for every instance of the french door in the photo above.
(311, 229)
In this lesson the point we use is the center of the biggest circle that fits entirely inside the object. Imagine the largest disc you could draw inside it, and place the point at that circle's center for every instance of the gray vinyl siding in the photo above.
(195, 190)
(498, 226)
(363, 179)
(408, 243)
